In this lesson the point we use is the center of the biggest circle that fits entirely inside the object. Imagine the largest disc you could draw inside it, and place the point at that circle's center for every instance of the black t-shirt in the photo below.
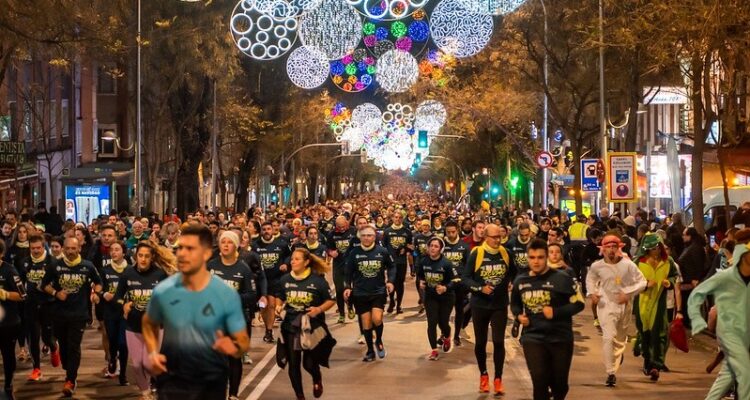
(137, 286)
(34, 275)
(457, 253)
(272, 256)
(340, 241)
(300, 295)
(367, 270)
(238, 276)
(76, 281)
(10, 281)
(396, 240)
(319, 251)
(555, 289)
(110, 281)
(518, 252)
(420, 245)
(16, 257)
(253, 261)
(437, 272)
(493, 270)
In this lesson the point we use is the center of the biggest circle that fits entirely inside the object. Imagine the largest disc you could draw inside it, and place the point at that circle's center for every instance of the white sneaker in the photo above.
(361, 339)
(246, 359)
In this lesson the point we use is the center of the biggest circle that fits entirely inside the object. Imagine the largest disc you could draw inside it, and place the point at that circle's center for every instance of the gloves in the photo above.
(3, 294)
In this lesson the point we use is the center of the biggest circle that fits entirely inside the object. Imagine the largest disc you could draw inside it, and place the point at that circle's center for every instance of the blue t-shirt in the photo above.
(190, 321)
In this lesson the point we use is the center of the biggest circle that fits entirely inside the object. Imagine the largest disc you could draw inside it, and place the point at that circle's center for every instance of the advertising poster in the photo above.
(623, 185)
(85, 203)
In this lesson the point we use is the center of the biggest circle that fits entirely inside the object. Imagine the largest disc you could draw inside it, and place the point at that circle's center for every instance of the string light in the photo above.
(430, 116)
(383, 36)
(334, 28)
(458, 31)
(307, 67)
(367, 117)
(397, 71)
(492, 7)
(353, 73)
(437, 66)
(387, 10)
(261, 36)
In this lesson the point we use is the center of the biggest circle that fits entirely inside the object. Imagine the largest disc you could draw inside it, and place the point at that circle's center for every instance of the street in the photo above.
(406, 373)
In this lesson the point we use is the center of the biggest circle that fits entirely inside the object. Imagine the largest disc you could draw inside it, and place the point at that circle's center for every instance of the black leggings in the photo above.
(8, 337)
(235, 364)
(118, 346)
(70, 335)
(338, 281)
(39, 326)
(438, 308)
(297, 358)
(458, 304)
(498, 319)
(398, 293)
(549, 366)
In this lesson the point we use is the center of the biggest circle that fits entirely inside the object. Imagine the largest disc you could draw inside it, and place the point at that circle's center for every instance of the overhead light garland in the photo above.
(334, 27)
(307, 67)
(261, 36)
(409, 34)
(397, 71)
(387, 10)
(458, 31)
(491, 7)
(354, 72)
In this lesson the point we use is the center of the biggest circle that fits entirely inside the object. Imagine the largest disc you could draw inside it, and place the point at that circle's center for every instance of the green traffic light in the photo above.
(422, 140)
(514, 182)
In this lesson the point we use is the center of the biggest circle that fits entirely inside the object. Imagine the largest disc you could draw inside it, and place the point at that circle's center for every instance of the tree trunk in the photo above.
(699, 138)
(243, 178)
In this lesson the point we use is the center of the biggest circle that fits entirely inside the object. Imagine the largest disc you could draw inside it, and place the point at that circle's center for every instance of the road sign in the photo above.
(589, 175)
(544, 159)
(622, 177)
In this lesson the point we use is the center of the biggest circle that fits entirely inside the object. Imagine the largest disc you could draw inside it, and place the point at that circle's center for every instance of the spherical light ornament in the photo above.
(287, 8)
(397, 71)
(307, 67)
(492, 7)
(430, 116)
(355, 138)
(387, 10)
(261, 36)
(353, 73)
(334, 28)
(367, 117)
(458, 31)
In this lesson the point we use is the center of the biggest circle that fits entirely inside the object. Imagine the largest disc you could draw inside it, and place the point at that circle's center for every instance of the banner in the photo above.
(85, 203)
(622, 175)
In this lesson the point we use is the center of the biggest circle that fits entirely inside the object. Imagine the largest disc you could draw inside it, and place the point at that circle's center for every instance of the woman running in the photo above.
(304, 291)
(437, 277)
(114, 321)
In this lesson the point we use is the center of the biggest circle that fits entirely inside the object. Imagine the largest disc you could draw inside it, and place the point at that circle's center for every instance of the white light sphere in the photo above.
(367, 117)
(261, 36)
(458, 31)
(397, 71)
(334, 27)
(492, 7)
(430, 116)
(355, 138)
(292, 8)
(307, 67)
(387, 10)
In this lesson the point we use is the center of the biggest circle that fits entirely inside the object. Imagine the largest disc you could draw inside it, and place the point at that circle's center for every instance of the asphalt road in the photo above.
(406, 373)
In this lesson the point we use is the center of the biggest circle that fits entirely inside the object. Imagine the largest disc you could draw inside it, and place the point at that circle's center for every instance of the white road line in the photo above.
(257, 369)
(263, 384)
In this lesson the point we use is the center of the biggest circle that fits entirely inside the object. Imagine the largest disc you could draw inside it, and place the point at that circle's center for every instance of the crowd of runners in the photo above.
(175, 300)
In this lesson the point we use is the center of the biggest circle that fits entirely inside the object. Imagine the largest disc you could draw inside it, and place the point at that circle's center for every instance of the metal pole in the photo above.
(139, 132)
(545, 141)
(214, 153)
(647, 167)
(602, 116)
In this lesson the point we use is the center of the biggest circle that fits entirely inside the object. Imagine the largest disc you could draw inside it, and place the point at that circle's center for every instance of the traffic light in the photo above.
(495, 190)
(514, 182)
(274, 197)
(418, 159)
(422, 140)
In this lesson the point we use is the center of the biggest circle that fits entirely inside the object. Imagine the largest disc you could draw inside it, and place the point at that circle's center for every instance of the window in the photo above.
(27, 121)
(53, 126)
(6, 122)
(64, 118)
(106, 83)
(107, 147)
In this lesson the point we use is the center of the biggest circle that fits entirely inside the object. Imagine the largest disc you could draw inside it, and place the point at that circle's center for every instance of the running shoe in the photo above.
(317, 389)
(381, 350)
(268, 337)
(434, 355)
(447, 348)
(23, 355)
(35, 375)
(45, 350)
(440, 341)
(54, 358)
(361, 339)
(611, 380)
(341, 320)
(654, 374)
(352, 314)
(399, 311)
(457, 342)
(499, 388)
(390, 308)
(369, 357)
(597, 324)
(110, 372)
(69, 388)
(484, 383)
(246, 359)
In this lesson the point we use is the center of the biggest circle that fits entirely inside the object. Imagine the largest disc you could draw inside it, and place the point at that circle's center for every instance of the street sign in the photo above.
(622, 177)
(589, 175)
(544, 159)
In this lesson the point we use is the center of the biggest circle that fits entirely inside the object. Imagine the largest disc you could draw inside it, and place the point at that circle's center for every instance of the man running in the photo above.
(398, 240)
(274, 255)
(338, 247)
(488, 273)
(370, 272)
(613, 282)
(420, 251)
(517, 246)
(203, 325)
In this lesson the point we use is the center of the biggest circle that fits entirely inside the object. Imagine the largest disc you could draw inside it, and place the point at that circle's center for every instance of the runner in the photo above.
(517, 246)
(398, 240)
(313, 244)
(613, 282)
(69, 282)
(420, 251)
(437, 277)
(544, 301)
(338, 247)
(370, 272)
(488, 273)
(203, 325)
(114, 320)
(457, 252)
(11, 293)
(274, 256)
(101, 259)
(304, 291)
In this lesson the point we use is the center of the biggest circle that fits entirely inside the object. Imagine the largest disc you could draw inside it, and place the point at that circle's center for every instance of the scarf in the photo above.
(72, 263)
(489, 249)
(367, 248)
(648, 300)
(119, 267)
(38, 260)
(451, 243)
(397, 227)
(303, 275)
(312, 246)
(267, 242)
(556, 265)
(23, 245)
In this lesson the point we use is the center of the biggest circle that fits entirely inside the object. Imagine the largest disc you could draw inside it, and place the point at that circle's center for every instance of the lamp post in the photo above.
(602, 121)
(545, 141)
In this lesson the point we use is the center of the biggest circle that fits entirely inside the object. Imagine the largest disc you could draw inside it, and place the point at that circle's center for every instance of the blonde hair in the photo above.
(317, 264)
(162, 257)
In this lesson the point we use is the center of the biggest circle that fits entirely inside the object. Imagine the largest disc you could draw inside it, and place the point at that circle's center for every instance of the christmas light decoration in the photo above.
(409, 34)
(307, 67)
(334, 27)
(286, 8)
(430, 116)
(397, 71)
(261, 36)
(353, 73)
(367, 117)
(458, 31)
(491, 7)
(437, 67)
(387, 10)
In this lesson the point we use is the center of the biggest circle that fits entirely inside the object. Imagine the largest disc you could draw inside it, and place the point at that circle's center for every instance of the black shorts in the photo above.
(365, 303)
(274, 288)
(99, 311)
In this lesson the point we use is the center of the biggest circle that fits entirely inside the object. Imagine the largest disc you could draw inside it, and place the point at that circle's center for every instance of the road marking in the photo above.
(257, 369)
(263, 384)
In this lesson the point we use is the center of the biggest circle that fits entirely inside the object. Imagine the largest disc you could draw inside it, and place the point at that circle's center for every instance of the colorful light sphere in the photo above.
(430, 116)
(492, 7)
(354, 72)
(458, 31)
(261, 36)
(307, 67)
(409, 34)
(397, 71)
(437, 67)
(334, 27)
(387, 10)
(367, 117)
(338, 118)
